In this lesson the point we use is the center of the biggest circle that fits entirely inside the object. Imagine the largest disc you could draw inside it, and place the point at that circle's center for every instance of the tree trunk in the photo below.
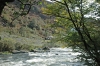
(2, 5)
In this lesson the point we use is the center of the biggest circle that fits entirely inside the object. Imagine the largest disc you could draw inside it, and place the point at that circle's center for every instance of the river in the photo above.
(56, 57)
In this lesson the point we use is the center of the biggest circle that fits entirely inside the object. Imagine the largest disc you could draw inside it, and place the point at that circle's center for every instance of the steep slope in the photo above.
(32, 28)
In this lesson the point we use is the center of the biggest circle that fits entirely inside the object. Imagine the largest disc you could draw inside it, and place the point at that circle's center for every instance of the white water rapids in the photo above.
(56, 57)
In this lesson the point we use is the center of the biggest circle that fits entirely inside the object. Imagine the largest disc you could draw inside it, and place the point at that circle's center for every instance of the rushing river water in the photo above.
(56, 57)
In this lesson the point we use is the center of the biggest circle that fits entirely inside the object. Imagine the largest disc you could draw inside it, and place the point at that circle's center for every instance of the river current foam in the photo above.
(56, 57)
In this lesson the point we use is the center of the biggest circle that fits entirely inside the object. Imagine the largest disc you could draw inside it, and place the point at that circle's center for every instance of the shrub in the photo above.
(7, 44)
(18, 46)
(31, 25)
(28, 47)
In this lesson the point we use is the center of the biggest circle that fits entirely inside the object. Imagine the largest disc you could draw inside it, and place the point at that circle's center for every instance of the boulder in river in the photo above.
(46, 48)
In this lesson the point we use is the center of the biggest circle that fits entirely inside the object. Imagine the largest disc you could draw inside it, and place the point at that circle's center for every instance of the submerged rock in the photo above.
(46, 48)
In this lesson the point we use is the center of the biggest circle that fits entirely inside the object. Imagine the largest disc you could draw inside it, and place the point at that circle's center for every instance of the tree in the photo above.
(70, 18)
(3, 4)
(25, 5)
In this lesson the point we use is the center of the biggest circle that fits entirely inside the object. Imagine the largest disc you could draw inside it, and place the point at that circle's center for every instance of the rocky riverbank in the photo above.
(44, 49)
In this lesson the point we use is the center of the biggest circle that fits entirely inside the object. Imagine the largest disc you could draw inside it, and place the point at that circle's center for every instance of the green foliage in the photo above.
(28, 47)
(73, 28)
(25, 31)
(98, 1)
(32, 25)
(6, 52)
(7, 44)
(18, 46)
(50, 44)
